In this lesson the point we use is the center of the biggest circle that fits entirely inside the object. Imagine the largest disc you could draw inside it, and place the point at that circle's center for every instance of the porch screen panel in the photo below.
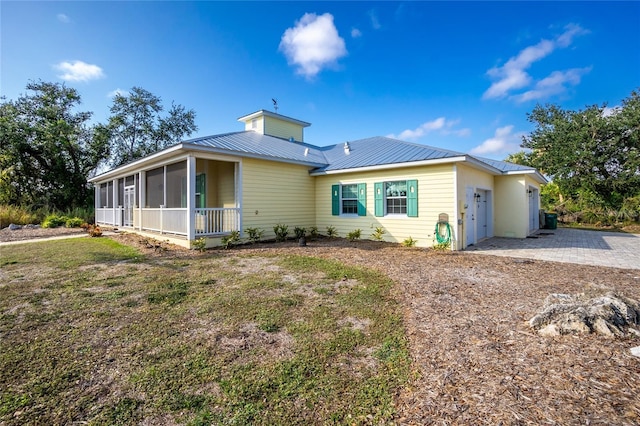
(109, 203)
(120, 192)
(103, 195)
(155, 188)
(177, 185)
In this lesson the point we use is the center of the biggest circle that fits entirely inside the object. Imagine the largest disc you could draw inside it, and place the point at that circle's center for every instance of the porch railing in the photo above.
(164, 220)
(110, 215)
(217, 221)
(209, 221)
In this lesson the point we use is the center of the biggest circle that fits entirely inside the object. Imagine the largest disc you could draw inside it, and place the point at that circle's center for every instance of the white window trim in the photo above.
(342, 199)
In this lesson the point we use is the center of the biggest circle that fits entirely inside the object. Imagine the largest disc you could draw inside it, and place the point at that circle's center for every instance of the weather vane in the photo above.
(275, 104)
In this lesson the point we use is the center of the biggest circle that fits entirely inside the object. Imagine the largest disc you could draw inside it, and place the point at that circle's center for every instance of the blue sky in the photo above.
(456, 75)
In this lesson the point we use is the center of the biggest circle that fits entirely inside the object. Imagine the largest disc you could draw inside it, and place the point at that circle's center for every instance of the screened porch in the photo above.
(192, 198)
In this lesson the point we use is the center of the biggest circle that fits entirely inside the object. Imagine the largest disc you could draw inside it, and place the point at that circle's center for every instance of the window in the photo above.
(398, 197)
(201, 191)
(349, 199)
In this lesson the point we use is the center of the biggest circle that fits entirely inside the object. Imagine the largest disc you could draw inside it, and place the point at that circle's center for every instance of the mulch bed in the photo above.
(7, 235)
(476, 359)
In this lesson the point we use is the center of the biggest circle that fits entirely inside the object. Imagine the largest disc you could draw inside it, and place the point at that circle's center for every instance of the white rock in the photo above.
(636, 351)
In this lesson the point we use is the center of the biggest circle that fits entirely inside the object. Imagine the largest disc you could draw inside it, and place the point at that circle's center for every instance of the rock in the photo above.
(636, 351)
(14, 227)
(31, 226)
(610, 315)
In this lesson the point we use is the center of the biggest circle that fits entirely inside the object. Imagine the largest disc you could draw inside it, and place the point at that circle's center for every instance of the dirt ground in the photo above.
(7, 234)
(476, 361)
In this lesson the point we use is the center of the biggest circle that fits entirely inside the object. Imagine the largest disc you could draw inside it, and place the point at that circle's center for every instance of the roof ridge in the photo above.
(415, 144)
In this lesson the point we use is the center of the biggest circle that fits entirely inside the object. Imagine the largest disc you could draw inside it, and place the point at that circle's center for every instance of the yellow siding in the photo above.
(511, 207)
(220, 184)
(435, 196)
(259, 124)
(226, 185)
(282, 129)
(476, 179)
(275, 193)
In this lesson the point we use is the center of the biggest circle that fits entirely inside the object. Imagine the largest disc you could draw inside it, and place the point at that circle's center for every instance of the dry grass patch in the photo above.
(109, 335)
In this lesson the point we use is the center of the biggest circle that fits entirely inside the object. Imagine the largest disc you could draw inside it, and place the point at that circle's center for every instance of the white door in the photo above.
(481, 214)
(470, 218)
(534, 215)
(129, 202)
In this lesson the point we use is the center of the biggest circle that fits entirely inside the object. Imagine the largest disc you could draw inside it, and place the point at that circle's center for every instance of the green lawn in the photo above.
(94, 332)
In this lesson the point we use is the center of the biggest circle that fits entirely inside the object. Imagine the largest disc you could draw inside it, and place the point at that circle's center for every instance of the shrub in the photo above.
(313, 233)
(16, 215)
(255, 234)
(332, 232)
(73, 222)
(409, 242)
(231, 240)
(199, 244)
(444, 246)
(354, 235)
(378, 233)
(300, 232)
(54, 220)
(281, 232)
(95, 231)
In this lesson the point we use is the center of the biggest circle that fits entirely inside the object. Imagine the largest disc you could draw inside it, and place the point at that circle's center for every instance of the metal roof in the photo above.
(364, 153)
(258, 113)
(505, 166)
(249, 143)
(379, 151)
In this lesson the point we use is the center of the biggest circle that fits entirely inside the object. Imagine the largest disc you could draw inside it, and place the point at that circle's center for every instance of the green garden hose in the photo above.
(443, 238)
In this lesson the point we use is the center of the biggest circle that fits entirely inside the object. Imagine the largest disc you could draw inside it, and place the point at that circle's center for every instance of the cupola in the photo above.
(273, 124)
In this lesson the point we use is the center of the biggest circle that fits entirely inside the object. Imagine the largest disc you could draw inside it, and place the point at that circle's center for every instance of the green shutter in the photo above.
(335, 200)
(412, 198)
(378, 189)
(201, 189)
(362, 199)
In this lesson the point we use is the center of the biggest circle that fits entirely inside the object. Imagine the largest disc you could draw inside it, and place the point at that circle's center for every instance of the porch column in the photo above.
(142, 196)
(191, 197)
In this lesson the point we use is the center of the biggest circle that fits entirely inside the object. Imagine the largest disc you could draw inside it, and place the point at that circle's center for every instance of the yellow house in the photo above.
(267, 175)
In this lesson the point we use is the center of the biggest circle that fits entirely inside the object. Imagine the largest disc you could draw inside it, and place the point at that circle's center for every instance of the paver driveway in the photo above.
(613, 249)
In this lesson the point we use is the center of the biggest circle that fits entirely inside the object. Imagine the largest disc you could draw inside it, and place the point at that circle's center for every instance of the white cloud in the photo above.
(118, 91)
(312, 44)
(78, 71)
(355, 33)
(502, 142)
(375, 22)
(512, 75)
(63, 18)
(554, 84)
(609, 111)
(440, 124)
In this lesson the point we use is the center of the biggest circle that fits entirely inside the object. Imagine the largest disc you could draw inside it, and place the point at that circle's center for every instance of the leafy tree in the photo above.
(47, 149)
(519, 157)
(595, 150)
(136, 128)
